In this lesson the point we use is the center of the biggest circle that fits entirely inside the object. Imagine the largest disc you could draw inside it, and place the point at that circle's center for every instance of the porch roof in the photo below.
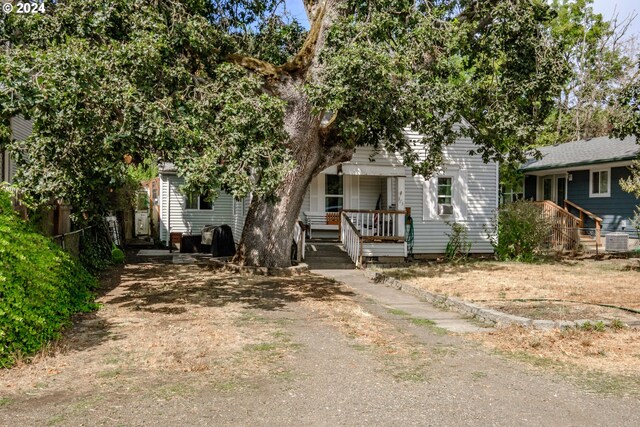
(584, 152)
(372, 170)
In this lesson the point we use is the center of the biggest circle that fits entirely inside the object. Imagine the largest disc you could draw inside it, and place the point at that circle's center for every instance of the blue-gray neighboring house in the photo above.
(586, 174)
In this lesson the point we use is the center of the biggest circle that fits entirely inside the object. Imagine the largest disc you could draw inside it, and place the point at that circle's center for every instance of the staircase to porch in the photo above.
(568, 230)
(327, 256)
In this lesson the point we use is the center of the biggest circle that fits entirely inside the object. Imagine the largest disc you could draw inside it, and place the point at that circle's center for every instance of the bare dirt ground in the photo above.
(188, 345)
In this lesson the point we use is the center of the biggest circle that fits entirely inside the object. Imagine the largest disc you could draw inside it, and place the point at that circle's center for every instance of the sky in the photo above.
(623, 8)
(608, 9)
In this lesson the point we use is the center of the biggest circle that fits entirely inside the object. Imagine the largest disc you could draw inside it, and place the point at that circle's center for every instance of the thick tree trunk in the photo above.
(268, 229)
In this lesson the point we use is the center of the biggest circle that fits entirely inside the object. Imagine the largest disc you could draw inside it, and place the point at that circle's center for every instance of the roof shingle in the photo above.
(596, 150)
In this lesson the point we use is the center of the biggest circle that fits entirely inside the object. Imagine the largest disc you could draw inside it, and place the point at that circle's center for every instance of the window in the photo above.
(334, 193)
(197, 202)
(444, 191)
(600, 185)
(511, 193)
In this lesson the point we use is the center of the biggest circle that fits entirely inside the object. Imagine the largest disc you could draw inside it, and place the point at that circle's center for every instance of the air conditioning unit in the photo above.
(617, 242)
(445, 210)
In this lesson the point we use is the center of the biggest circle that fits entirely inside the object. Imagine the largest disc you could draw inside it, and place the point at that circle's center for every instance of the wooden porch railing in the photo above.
(351, 238)
(582, 213)
(564, 226)
(381, 224)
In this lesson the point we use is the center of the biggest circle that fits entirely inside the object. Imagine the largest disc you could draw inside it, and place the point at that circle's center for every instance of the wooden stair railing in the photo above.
(582, 213)
(565, 226)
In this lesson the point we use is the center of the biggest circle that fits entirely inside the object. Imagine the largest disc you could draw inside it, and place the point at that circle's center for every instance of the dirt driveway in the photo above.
(188, 345)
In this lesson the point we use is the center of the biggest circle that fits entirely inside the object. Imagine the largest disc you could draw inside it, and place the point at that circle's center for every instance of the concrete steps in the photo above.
(327, 256)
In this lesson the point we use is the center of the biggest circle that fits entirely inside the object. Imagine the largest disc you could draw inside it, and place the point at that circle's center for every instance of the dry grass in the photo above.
(610, 352)
(614, 353)
(171, 323)
(498, 284)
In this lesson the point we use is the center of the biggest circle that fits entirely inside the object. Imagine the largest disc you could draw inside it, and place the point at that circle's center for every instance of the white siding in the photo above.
(383, 249)
(430, 231)
(362, 155)
(239, 213)
(20, 130)
(481, 202)
(371, 187)
(475, 208)
(181, 220)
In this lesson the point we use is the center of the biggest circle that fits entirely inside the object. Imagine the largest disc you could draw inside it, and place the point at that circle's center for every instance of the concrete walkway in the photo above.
(398, 300)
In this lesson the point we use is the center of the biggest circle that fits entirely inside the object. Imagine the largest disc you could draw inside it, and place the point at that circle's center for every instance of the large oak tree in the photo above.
(244, 99)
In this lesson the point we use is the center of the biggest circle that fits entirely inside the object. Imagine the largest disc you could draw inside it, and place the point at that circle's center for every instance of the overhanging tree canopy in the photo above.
(235, 93)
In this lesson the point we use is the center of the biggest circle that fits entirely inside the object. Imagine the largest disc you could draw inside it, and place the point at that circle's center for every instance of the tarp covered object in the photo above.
(223, 244)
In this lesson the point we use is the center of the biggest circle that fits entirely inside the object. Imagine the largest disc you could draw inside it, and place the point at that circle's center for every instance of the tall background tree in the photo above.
(602, 55)
(244, 99)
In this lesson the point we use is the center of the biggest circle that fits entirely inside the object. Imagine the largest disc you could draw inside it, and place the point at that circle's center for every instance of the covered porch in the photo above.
(361, 206)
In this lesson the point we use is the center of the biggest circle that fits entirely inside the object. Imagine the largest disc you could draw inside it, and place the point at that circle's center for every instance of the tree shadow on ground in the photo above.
(172, 289)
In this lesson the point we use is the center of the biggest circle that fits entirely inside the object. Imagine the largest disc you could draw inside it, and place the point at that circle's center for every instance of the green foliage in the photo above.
(234, 94)
(103, 79)
(617, 325)
(95, 247)
(41, 286)
(458, 246)
(126, 194)
(598, 326)
(117, 256)
(601, 62)
(631, 184)
(491, 64)
(519, 232)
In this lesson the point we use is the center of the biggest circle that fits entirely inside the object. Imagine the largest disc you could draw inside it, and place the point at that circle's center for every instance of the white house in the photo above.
(20, 130)
(374, 195)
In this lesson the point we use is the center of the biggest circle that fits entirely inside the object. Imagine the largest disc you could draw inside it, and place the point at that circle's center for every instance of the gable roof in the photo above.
(584, 152)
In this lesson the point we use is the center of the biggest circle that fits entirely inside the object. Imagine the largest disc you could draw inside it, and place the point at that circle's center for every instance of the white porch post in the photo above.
(400, 207)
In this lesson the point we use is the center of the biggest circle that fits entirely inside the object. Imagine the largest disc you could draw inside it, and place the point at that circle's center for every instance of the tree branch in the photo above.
(304, 57)
(256, 65)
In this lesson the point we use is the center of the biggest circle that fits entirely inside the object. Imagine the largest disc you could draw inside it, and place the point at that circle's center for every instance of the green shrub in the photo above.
(41, 286)
(520, 232)
(95, 248)
(458, 246)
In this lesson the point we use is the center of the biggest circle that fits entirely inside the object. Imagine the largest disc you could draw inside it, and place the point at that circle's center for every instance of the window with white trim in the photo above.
(197, 202)
(334, 193)
(511, 192)
(600, 183)
(445, 190)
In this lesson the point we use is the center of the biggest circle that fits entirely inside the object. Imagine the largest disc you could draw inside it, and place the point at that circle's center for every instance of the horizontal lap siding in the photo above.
(182, 221)
(382, 249)
(371, 187)
(430, 236)
(362, 155)
(20, 130)
(613, 210)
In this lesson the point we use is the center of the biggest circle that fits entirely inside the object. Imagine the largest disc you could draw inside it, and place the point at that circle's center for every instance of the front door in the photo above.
(561, 186)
